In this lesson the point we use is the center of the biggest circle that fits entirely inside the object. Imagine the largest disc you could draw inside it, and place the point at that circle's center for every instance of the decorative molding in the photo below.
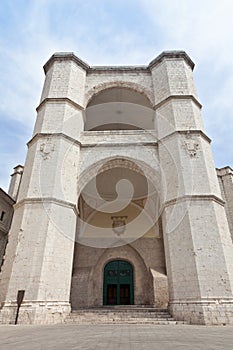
(192, 132)
(65, 56)
(104, 164)
(214, 301)
(117, 69)
(59, 100)
(57, 201)
(155, 142)
(95, 90)
(114, 144)
(177, 97)
(38, 136)
(226, 171)
(195, 197)
(6, 197)
(168, 55)
(119, 132)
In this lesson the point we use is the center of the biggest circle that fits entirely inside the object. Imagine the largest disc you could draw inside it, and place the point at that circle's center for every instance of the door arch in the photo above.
(118, 283)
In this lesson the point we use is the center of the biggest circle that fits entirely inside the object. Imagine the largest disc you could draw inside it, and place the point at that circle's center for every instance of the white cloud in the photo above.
(102, 33)
(203, 26)
(204, 30)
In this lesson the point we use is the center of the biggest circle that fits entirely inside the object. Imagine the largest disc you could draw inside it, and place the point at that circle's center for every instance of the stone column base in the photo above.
(206, 312)
(35, 312)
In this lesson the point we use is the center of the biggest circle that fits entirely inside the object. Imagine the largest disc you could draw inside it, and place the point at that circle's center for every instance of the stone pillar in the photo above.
(39, 254)
(6, 213)
(225, 177)
(15, 182)
(198, 247)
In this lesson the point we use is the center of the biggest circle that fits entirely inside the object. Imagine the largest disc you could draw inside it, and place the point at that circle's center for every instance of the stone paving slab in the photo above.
(115, 337)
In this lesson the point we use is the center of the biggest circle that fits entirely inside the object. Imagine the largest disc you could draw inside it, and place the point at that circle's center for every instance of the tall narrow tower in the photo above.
(73, 243)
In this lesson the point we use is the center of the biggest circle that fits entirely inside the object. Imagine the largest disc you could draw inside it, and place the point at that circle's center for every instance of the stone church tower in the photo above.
(119, 201)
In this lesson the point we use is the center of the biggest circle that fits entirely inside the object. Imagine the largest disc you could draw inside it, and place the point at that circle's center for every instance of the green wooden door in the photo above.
(118, 286)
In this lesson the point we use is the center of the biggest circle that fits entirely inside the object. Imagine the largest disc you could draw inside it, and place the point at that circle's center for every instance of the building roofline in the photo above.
(65, 56)
(70, 56)
(174, 54)
(226, 170)
(7, 196)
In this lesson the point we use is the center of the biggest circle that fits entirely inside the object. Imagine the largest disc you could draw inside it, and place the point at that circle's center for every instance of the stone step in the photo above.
(123, 310)
(93, 316)
(123, 321)
(121, 315)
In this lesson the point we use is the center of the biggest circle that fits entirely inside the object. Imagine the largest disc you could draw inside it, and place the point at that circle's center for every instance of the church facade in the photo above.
(119, 202)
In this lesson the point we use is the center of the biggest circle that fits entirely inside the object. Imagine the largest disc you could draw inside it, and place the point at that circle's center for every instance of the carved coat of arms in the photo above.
(191, 146)
(119, 224)
(46, 148)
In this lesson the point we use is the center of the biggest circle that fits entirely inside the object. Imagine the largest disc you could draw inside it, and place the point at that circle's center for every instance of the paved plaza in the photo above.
(119, 337)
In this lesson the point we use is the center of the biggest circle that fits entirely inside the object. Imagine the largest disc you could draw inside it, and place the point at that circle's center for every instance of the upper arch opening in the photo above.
(120, 94)
(119, 108)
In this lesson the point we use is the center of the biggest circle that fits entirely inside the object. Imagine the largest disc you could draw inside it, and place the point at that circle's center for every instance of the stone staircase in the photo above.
(128, 314)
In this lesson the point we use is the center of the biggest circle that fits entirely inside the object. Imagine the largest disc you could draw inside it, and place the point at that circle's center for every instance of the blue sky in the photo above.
(107, 32)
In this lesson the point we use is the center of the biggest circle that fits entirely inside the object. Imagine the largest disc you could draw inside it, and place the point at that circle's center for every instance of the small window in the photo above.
(2, 215)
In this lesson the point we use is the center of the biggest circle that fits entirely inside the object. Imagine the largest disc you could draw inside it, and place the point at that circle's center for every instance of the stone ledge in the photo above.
(18, 169)
(52, 200)
(117, 132)
(177, 97)
(70, 56)
(117, 69)
(6, 197)
(59, 100)
(46, 135)
(123, 143)
(172, 55)
(127, 133)
(65, 56)
(227, 170)
(197, 197)
(196, 132)
(209, 301)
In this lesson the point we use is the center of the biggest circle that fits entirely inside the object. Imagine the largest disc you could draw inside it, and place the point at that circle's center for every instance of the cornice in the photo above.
(177, 97)
(6, 197)
(189, 132)
(59, 100)
(53, 200)
(82, 143)
(195, 197)
(165, 55)
(65, 56)
(225, 171)
(171, 55)
(116, 69)
(46, 135)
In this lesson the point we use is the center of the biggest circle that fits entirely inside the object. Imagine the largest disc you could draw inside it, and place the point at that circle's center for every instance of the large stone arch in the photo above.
(95, 90)
(138, 204)
(143, 285)
(107, 163)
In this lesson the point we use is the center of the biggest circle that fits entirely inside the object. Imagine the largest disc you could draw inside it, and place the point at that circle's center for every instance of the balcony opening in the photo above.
(119, 109)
